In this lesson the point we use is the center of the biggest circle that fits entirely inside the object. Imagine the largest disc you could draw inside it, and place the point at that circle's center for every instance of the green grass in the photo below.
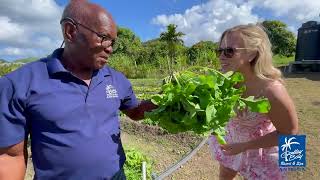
(145, 88)
(146, 82)
(282, 60)
(304, 90)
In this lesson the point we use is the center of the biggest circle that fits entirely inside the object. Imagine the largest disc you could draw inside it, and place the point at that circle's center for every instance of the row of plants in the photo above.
(133, 164)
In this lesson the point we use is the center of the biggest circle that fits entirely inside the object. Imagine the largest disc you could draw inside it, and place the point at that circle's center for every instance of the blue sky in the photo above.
(137, 15)
(30, 28)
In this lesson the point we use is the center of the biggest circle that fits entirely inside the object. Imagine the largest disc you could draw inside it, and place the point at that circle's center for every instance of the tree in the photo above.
(202, 53)
(154, 50)
(283, 41)
(172, 38)
(127, 43)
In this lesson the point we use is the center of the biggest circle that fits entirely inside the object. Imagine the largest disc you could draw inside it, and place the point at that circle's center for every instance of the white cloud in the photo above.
(31, 10)
(13, 51)
(10, 31)
(295, 10)
(29, 28)
(207, 21)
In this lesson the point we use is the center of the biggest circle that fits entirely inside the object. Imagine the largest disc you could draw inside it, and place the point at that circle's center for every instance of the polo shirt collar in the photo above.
(54, 65)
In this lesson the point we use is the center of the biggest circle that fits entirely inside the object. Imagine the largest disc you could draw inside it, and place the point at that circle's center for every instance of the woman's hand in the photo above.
(233, 149)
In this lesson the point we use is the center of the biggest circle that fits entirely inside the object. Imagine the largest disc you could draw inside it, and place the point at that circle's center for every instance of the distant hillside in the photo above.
(26, 60)
(152, 41)
(2, 61)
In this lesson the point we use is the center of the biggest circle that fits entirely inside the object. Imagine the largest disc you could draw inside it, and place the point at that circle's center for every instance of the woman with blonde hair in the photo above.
(252, 138)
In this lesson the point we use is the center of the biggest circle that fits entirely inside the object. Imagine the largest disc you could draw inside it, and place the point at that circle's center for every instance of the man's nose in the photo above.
(108, 49)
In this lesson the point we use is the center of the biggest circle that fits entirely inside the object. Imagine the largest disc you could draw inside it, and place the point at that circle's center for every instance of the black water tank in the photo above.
(308, 42)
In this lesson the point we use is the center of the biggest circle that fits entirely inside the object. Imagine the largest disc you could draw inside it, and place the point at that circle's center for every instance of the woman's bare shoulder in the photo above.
(275, 90)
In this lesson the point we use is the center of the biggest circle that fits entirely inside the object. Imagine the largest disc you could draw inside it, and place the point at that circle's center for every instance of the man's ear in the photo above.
(69, 32)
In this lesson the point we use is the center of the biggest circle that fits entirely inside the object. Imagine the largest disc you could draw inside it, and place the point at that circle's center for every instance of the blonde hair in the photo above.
(255, 37)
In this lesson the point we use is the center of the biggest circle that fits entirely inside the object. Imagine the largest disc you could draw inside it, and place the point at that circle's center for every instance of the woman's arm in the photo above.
(283, 116)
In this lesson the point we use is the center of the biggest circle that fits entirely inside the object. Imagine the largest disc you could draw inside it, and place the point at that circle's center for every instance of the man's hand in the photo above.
(137, 113)
(13, 161)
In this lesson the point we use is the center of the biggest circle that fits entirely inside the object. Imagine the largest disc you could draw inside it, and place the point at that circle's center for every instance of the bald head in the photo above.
(85, 12)
(89, 39)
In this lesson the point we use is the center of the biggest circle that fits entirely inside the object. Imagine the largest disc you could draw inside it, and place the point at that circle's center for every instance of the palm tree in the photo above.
(172, 38)
(287, 146)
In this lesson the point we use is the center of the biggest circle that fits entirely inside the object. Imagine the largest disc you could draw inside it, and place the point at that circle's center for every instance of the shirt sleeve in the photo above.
(13, 128)
(128, 100)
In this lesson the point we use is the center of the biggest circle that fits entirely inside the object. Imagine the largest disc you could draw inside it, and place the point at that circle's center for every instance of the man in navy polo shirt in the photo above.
(69, 104)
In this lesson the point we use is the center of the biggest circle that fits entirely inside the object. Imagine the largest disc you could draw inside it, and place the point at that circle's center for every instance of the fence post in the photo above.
(144, 170)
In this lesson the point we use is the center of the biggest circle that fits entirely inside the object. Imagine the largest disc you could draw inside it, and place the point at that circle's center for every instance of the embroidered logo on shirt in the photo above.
(111, 92)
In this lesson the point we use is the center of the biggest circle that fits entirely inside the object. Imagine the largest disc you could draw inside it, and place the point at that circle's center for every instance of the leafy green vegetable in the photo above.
(133, 164)
(202, 102)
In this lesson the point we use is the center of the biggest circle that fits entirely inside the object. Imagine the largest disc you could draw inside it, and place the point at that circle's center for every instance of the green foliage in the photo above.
(133, 164)
(201, 102)
(5, 68)
(122, 63)
(150, 82)
(26, 60)
(150, 122)
(203, 54)
(144, 96)
(129, 67)
(127, 43)
(283, 41)
(282, 60)
(172, 38)
(154, 50)
(144, 89)
(200, 49)
(162, 56)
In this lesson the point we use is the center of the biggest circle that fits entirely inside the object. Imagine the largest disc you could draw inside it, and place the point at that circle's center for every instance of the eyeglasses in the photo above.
(228, 52)
(105, 39)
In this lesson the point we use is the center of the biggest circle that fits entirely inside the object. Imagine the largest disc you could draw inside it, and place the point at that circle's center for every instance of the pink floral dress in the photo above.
(256, 164)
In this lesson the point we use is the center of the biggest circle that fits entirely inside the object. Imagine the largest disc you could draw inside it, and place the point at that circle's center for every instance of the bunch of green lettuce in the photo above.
(133, 164)
(202, 102)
